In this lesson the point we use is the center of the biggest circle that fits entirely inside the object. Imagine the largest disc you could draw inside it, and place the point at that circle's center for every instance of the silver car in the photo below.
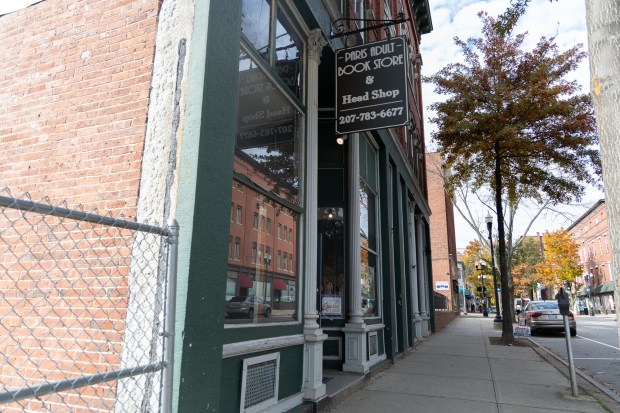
(545, 315)
(247, 306)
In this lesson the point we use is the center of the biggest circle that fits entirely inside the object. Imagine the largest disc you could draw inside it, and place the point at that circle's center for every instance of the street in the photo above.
(596, 351)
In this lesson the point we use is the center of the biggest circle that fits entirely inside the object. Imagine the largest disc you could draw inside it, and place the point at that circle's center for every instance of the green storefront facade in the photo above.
(298, 254)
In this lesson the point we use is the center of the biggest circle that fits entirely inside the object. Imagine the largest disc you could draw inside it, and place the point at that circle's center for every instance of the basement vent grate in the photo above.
(372, 344)
(260, 382)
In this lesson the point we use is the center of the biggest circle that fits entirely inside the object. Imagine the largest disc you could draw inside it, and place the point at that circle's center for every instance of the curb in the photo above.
(605, 396)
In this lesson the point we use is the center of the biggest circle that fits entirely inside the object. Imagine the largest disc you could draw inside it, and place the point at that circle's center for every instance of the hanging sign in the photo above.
(371, 86)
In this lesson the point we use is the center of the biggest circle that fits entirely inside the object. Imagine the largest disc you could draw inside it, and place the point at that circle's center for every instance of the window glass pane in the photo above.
(369, 284)
(332, 285)
(367, 217)
(363, 166)
(269, 131)
(288, 55)
(255, 281)
(371, 169)
(255, 16)
(266, 156)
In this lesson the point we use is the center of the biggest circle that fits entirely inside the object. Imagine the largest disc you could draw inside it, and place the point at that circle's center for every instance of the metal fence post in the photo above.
(169, 320)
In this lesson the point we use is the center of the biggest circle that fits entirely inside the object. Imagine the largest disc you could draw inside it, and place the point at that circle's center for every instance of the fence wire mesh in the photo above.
(82, 311)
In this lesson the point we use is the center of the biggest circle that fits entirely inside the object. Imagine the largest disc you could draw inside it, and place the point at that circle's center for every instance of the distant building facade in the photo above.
(443, 238)
(591, 233)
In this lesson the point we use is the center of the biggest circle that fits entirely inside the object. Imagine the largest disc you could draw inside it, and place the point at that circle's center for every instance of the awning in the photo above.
(598, 289)
(245, 282)
(279, 284)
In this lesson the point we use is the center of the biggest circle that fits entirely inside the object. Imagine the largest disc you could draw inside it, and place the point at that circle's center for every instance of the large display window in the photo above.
(263, 277)
(368, 204)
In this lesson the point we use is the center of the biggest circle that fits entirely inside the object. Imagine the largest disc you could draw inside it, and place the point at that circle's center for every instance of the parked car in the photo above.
(247, 306)
(545, 315)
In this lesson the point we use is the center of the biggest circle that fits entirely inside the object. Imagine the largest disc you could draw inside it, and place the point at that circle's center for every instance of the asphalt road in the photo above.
(596, 351)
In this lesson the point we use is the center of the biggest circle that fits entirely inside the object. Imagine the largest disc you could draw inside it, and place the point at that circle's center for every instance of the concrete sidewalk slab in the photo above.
(513, 353)
(453, 349)
(519, 375)
(442, 365)
(425, 385)
(547, 397)
(388, 402)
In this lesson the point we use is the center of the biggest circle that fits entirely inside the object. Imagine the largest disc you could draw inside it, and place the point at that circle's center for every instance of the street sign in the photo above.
(442, 285)
(371, 86)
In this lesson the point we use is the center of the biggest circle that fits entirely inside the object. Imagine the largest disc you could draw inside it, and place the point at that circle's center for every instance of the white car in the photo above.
(545, 315)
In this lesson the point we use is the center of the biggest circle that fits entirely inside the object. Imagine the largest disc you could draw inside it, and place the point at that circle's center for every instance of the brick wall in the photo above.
(442, 230)
(443, 318)
(75, 78)
(74, 89)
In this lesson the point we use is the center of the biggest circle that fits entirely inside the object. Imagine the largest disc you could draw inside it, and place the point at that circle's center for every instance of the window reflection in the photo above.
(331, 262)
(258, 290)
(288, 55)
(369, 283)
(368, 228)
(367, 216)
(255, 16)
(268, 128)
(261, 282)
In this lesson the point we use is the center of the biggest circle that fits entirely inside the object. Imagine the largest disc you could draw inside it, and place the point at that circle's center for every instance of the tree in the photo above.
(561, 263)
(478, 271)
(526, 257)
(513, 123)
(603, 21)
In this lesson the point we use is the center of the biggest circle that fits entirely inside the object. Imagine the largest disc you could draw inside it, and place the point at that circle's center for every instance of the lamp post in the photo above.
(483, 299)
(489, 221)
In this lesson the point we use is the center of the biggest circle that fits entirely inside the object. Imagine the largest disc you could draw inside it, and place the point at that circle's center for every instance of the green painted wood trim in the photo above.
(207, 152)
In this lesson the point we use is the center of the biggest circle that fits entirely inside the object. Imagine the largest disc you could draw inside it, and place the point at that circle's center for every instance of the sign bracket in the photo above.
(382, 23)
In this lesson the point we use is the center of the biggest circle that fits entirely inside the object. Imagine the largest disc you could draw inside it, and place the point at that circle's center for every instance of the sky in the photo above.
(566, 20)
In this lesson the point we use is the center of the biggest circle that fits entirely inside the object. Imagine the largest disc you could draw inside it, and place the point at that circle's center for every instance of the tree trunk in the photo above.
(603, 20)
(507, 334)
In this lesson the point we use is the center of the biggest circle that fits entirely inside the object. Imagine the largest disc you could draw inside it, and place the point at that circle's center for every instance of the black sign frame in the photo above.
(371, 86)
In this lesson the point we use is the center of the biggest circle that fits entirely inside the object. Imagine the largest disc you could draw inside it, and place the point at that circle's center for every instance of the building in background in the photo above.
(298, 254)
(443, 240)
(591, 233)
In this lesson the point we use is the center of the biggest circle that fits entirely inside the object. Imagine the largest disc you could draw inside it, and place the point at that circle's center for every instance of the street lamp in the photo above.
(489, 221)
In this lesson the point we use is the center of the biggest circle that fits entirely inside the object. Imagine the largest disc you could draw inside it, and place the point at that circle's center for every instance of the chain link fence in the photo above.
(86, 310)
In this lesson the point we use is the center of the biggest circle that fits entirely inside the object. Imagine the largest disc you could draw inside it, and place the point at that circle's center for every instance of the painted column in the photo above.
(314, 388)
(413, 273)
(421, 267)
(355, 328)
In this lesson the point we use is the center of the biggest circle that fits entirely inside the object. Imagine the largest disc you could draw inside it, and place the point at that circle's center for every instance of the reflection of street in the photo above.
(595, 349)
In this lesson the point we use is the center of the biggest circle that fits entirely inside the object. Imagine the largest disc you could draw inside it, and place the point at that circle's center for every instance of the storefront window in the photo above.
(262, 276)
(368, 229)
(331, 258)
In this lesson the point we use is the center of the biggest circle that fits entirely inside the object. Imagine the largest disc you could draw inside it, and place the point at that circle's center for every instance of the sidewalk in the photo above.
(458, 370)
